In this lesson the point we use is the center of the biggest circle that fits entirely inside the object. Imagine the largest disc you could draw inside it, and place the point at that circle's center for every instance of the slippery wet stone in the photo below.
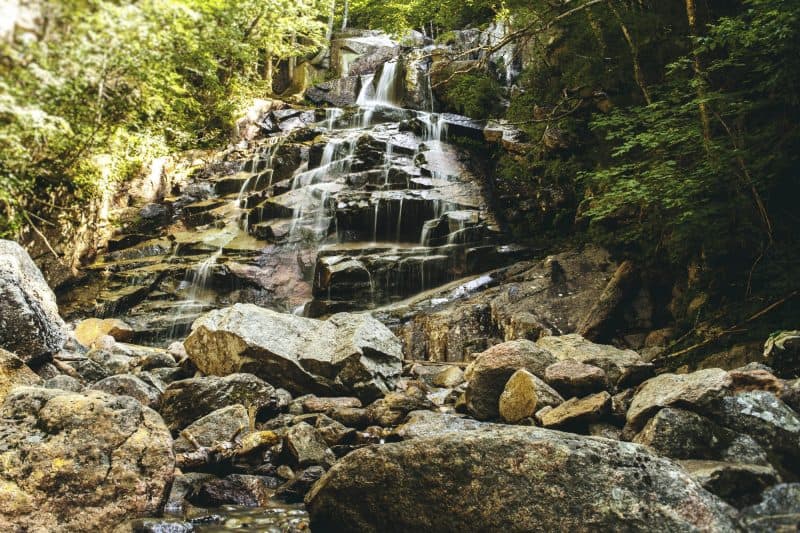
(464, 481)
(30, 325)
(346, 354)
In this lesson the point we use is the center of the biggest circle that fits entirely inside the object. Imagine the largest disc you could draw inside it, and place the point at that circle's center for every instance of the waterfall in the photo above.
(383, 94)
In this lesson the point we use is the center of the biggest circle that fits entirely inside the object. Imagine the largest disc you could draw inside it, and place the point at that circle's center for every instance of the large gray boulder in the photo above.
(30, 325)
(348, 354)
(507, 478)
(80, 462)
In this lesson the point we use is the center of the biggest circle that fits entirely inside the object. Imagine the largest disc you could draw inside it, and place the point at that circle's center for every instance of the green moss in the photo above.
(476, 95)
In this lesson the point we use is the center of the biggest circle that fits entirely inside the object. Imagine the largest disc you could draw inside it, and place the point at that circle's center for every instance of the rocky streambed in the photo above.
(325, 327)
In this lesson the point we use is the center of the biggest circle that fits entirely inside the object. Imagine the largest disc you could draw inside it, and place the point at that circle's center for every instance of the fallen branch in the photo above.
(738, 328)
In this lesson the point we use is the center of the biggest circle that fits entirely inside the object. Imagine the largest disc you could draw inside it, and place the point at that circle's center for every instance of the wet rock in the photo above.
(464, 481)
(572, 378)
(682, 434)
(523, 395)
(222, 425)
(160, 525)
(30, 325)
(306, 446)
(80, 462)
(130, 385)
(490, 372)
(89, 330)
(184, 486)
(235, 489)
(624, 368)
(63, 382)
(778, 511)
(738, 484)
(187, 400)
(346, 354)
(13, 373)
(578, 412)
(696, 390)
(527, 301)
(294, 490)
(339, 92)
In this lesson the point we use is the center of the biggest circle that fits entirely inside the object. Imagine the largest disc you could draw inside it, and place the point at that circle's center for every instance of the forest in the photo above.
(331, 264)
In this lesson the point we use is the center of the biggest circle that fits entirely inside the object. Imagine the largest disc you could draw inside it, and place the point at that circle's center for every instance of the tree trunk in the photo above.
(345, 14)
(267, 74)
(637, 68)
(691, 15)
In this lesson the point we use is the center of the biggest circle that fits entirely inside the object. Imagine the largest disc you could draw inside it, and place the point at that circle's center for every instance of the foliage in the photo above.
(475, 95)
(102, 86)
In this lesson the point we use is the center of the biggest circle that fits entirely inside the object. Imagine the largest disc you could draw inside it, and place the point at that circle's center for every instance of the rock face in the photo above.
(80, 462)
(482, 480)
(30, 325)
(488, 374)
(346, 354)
(13, 372)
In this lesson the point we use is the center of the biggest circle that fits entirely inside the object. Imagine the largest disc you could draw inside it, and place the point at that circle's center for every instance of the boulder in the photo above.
(89, 330)
(697, 390)
(523, 395)
(314, 404)
(573, 378)
(778, 511)
(80, 462)
(682, 434)
(491, 370)
(449, 377)
(578, 412)
(624, 368)
(393, 408)
(187, 400)
(769, 421)
(14, 372)
(235, 489)
(351, 354)
(481, 480)
(222, 425)
(63, 382)
(736, 483)
(130, 385)
(30, 325)
(307, 447)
